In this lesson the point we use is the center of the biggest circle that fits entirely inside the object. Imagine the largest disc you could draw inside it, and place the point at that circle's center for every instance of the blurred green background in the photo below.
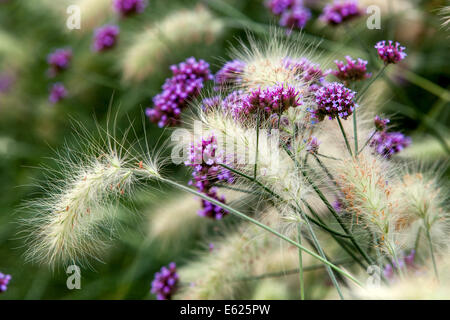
(31, 128)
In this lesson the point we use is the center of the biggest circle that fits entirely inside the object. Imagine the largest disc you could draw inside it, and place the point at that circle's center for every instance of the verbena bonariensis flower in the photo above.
(275, 99)
(205, 159)
(334, 100)
(164, 285)
(390, 52)
(340, 11)
(354, 70)
(229, 74)
(105, 37)
(381, 124)
(404, 263)
(307, 71)
(185, 84)
(7, 80)
(4, 281)
(297, 17)
(389, 143)
(129, 7)
(312, 145)
(57, 93)
(58, 60)
(293, 13)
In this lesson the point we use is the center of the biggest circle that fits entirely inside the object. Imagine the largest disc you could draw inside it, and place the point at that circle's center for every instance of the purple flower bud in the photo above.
(295, 18)
(129, 7)
(57, 93)
(105, 37)
(58, 61)
(340, 11)
(353, 71)
(381, 124)
(390, 53)
(313, 145)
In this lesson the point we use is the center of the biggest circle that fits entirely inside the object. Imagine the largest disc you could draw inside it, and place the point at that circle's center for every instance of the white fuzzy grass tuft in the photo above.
(186, 27)
(71, 223)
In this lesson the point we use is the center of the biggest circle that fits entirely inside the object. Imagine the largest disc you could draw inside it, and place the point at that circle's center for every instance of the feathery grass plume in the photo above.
(445, 17)
(277, 60)
(213, 275)
(271, 289)
(366, 183)
(186, 27)
(71, 223)
(94, 13)
(419, 285)
(423, 207)
(426, 149)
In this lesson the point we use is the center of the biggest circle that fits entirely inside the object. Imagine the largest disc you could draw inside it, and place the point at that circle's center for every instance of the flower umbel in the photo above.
(4, 281)
(129, 7)
(340, 11)
(165, 283)
(390, 52)
(334, 100)
(353, 71)
(58, 61)
(57, 93)
(105, 38)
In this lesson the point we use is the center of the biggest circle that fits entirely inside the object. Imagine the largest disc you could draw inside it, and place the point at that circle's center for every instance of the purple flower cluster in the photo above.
(381, 124)
(58, 61)
(185, 84)
(203, 158)
(404, 263)
(275, 99)
(105, 37)
(312, 145)
(292, 13)
(165, 282)
(4, 281)
(390, 52)
(389, 143)
(229, 74)
(307, 71)
(57, 93)
(7, 80)
(129, 7)
(340, 11)
(352, 71)
(334, 100)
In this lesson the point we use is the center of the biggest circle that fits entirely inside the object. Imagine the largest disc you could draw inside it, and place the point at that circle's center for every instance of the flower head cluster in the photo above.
(58, 60)
(105, 37)
(165, 282)
(404, 263)
(6, 81)
(292, 13)
(390, 52)
(204, 158)
(352, 71)
(275, 99)
(129, 7)
(312, 145)
(334, 100)
(381, 124)
(57, 93)
(307, 71)
(229, 74)
(4, 281)
(389, 143)
(185, 84)
(340, 11)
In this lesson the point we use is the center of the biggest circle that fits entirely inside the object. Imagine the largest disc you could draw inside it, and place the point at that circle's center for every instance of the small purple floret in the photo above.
(105, 37)
(165, 282)
(4, 281)
(58, 61)
(57, 93)
(390, 52)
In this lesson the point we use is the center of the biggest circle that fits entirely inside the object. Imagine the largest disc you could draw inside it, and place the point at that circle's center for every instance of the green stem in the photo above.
(430, 243)
(367, 142)
(363, 91)
(300, 264)
(355, 131)
(328, 157)
(257, 145)
(345, 136)
(261, 225)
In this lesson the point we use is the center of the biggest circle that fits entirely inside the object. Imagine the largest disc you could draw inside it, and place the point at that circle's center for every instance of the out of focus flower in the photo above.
(340, 11)
(405, 263)
(295, 18)
(229, 74)
(338, 205)
(105, 37)
(389, 143)
(129, 7)
(380, 124)
(334, 100)
(58, 60)
(293, 14)
(7, 80)
(185, 84)
(57, 93)
(307, 71)
(4, 281)
(204, 159)
(164, 285)
(390, 52)
(352, 71)
(312, 145)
